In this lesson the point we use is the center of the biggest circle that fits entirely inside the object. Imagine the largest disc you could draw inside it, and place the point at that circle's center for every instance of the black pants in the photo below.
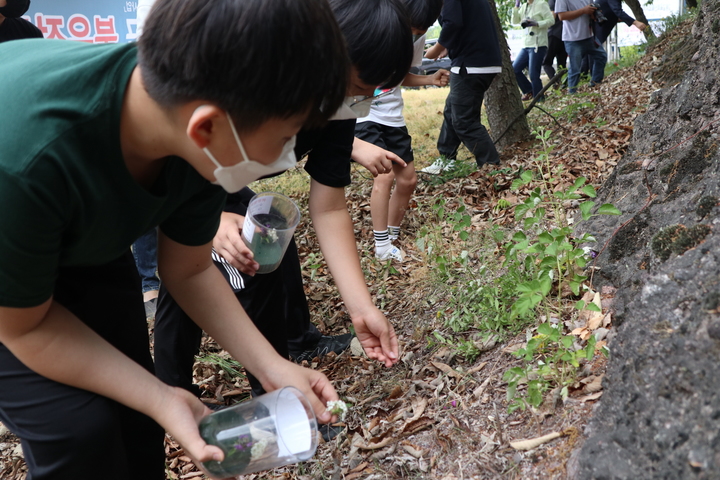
(462, 119)
(73, 434)
(556, 50)
(275, 302)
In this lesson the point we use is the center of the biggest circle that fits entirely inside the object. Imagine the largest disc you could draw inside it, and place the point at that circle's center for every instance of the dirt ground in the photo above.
(435, 415)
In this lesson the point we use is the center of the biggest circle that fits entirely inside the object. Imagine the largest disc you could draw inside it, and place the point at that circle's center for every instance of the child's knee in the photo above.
(383, 183)
(407, 182)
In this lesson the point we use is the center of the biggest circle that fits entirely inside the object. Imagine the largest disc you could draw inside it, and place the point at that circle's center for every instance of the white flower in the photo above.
(337, 407)
(258, 449)
(272, 234)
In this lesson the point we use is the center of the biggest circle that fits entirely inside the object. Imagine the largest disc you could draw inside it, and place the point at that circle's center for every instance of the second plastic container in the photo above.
(266, 432)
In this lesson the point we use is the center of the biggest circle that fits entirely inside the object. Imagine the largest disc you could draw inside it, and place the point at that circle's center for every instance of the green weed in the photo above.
(231, 367)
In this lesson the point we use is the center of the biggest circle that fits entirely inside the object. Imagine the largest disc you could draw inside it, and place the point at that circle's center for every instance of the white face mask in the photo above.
(237, 176)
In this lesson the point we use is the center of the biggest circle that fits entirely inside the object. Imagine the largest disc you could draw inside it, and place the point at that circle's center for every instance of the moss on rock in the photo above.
(678, 239)
(705, 205)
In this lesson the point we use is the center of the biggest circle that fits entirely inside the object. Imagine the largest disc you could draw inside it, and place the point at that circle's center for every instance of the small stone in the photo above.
(600, 334)
(3, 430)
(697, 459)
(356, 348)
(17, 451)
(714, 330)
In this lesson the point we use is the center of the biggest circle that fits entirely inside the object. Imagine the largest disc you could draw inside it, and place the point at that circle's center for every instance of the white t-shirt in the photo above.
(388, 109)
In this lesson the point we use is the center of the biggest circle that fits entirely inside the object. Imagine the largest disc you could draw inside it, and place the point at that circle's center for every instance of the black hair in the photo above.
(423, 13)
(256, 59)
(378, 38)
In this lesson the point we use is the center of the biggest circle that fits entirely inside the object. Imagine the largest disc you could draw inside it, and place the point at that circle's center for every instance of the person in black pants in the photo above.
(469, 38)
(556, 47)
(380, 50)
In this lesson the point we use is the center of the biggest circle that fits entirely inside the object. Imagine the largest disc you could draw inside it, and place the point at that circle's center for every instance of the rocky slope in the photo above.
(660, 415)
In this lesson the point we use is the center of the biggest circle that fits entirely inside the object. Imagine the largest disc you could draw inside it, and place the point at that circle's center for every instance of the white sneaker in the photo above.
(438, 166)
(392, 253)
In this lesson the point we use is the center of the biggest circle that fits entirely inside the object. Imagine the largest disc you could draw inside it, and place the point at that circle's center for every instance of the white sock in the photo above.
(382, 241)
(393, 232)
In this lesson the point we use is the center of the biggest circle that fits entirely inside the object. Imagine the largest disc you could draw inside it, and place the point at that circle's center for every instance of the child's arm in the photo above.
(438, 79)
(375, 159)
(201, 291)
(54, 343)
(334, 228)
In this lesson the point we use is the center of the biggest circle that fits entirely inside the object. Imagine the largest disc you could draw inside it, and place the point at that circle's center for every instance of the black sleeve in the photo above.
(18, 29)
(238, 202)
(329, 151)
(452, 23)
(616, 7)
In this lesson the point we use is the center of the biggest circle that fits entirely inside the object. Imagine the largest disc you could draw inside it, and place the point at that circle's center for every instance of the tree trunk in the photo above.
(639, 14)
(503, 103)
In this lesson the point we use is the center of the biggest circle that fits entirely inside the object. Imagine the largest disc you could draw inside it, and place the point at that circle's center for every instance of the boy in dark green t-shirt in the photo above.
(100, 143)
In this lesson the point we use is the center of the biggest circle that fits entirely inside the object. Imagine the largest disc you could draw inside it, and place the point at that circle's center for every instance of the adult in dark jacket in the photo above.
(468, 36)
(612, 9)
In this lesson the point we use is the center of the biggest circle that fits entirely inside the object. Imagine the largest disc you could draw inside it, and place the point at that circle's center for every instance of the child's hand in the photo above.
(229, 244)
(179, 414)
(441, 78)
(377, 336)
(313, 384)
(375, 159)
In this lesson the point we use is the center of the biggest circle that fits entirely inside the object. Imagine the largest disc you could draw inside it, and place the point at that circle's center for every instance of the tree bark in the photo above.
(503, 103)
(639, 14)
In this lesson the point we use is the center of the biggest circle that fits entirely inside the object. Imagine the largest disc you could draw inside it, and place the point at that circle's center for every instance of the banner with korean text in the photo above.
(91, 21)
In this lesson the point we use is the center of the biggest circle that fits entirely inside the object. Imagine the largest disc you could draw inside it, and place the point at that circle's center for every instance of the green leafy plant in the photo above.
(543, 267)
(553, 261)
(551, 359)
(230, 366)
(312, 263)
(571, 111)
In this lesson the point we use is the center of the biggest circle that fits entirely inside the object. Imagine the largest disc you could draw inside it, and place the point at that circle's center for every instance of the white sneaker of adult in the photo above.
(438, 166)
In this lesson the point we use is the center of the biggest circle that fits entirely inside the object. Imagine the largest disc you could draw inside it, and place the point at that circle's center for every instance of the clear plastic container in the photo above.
(269, 225)
(266, 432)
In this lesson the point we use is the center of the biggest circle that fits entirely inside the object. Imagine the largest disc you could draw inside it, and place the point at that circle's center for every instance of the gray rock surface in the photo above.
(659, 417)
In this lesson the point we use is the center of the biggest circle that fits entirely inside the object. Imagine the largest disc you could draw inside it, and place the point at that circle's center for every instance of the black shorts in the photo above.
(395, 139)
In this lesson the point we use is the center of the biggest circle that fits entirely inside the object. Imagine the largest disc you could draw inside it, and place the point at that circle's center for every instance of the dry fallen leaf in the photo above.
(447, 369)
(417, 425)
(593, 385)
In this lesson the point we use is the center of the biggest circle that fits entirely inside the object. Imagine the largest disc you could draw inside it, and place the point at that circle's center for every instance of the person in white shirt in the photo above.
(385, 127)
